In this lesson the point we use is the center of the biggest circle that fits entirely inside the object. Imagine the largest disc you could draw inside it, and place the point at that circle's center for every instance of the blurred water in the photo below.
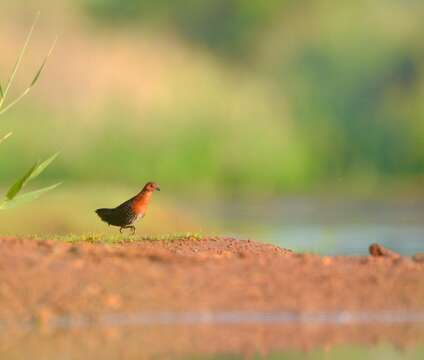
(331, 227)
(69, 322)
(350, 239)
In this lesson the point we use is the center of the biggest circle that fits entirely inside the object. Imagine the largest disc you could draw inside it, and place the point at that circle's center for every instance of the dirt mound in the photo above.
(212, 273)
(45, 280)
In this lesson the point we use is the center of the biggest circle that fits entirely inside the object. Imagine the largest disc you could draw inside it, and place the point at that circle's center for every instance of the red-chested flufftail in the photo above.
(126, 214)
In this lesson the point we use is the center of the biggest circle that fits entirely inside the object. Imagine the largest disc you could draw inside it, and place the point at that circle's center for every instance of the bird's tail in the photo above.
(104, 214)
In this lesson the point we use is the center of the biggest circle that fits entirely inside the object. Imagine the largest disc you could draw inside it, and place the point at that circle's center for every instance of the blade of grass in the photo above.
(33, 172)
(34, 80)
(42, 166)
(19, 60)
(14, 102)
(18, 185)
(1, 92)
(43, 64)
(27, 197)
(5, 137)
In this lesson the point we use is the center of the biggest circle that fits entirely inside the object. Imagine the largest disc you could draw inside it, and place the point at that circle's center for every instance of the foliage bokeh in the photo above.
(239, 97)
(13, 198)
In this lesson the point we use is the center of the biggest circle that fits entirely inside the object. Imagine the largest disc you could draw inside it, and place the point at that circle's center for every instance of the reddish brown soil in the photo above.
(43, 280)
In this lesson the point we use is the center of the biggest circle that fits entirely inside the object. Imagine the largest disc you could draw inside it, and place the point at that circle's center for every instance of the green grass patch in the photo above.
(347, 352)
(98, 238)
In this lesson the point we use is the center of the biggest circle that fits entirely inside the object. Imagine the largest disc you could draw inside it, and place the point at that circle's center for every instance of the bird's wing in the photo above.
(119, 216)
(126, 204)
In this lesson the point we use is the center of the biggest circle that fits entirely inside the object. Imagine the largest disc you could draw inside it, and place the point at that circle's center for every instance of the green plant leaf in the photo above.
(43, 64)
(25, 198)
(33, 82)
(18, 185)
(42, 166)
(35, 170)
(5, 137)
(19, 59)
(3, 94)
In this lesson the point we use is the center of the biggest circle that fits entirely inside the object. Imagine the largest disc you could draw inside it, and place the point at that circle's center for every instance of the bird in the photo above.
(125, 215)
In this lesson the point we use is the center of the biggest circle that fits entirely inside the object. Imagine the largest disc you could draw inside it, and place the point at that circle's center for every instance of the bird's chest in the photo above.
(140, 205)
(139, 211)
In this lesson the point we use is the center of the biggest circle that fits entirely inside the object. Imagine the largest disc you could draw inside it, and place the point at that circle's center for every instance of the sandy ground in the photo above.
(41, 282)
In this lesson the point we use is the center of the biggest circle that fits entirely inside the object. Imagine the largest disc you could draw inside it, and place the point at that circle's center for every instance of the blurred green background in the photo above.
(233, 100)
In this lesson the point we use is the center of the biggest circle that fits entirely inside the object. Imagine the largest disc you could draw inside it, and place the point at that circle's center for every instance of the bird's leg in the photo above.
(132, 227)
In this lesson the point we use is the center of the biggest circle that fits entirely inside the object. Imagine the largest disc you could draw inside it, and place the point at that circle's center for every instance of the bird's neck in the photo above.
(141, 202)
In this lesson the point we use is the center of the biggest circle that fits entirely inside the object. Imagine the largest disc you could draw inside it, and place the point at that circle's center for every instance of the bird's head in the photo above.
(151, 187)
